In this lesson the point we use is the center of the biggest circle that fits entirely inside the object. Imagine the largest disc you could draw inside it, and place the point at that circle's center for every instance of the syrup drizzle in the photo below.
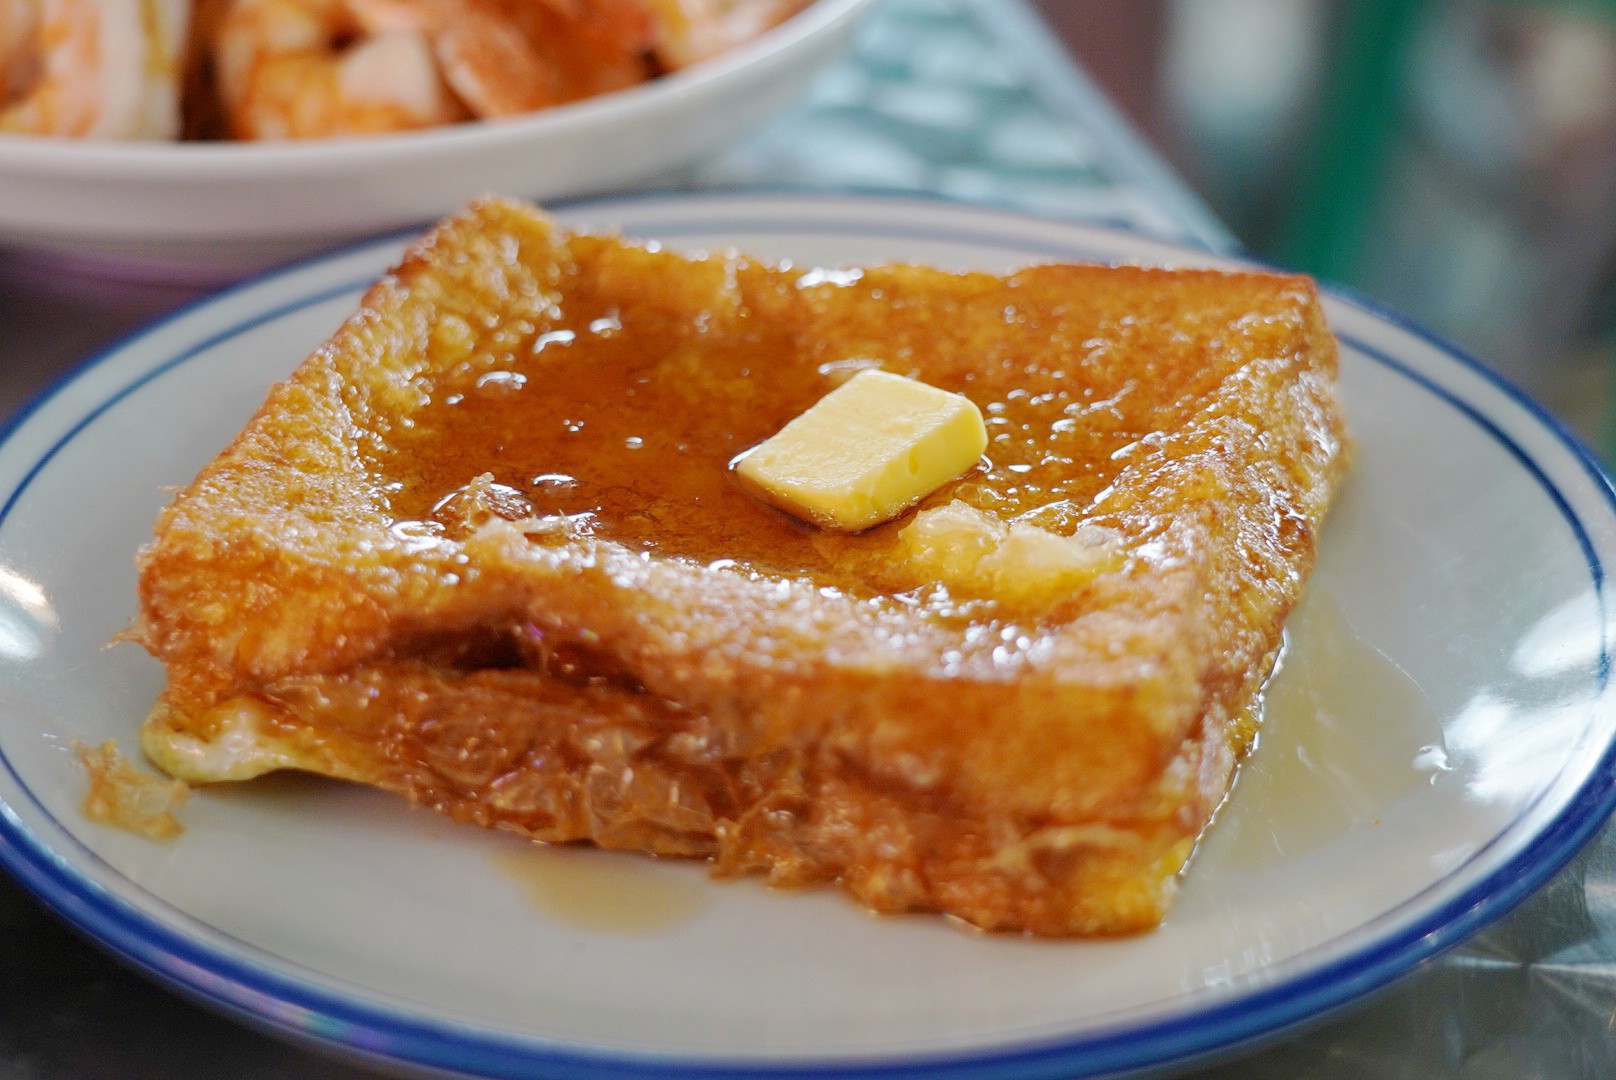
(1325, 762)
(605, 891)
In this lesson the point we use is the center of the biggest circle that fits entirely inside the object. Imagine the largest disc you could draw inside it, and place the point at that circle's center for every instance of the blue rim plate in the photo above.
(1439, 743)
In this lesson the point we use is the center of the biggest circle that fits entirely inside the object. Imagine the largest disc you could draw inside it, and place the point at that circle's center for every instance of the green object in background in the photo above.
(1361, 113)
(1599, 9)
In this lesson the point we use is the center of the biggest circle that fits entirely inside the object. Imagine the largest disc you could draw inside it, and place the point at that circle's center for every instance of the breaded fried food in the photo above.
(484, 548)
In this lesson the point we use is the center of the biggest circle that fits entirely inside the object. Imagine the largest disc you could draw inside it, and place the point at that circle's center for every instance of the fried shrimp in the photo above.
(91, 68)
(482, 58)
(305, 68)
(688, 31)
(579, 48)
(508, 57)
(19, 60)
(291, 69)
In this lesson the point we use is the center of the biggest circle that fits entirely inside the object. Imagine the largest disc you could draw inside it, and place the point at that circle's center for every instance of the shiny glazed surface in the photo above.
(626, 407)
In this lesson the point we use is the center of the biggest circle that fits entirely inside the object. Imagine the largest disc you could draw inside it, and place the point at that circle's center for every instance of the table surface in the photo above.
(965, 99)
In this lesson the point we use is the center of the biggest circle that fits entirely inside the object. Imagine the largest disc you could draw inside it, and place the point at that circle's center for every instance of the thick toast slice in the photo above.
(484, 548)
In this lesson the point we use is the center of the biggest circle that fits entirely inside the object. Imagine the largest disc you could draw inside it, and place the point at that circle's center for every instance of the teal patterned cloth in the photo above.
(968, 100)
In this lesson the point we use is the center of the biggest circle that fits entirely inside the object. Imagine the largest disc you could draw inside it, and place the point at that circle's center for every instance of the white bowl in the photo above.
(209, 210)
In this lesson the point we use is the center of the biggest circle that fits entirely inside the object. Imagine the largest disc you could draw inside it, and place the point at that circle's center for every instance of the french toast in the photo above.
(484, 548)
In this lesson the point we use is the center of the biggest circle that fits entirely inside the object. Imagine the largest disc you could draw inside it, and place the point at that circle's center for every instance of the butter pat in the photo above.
(866, 451)
(974, 553)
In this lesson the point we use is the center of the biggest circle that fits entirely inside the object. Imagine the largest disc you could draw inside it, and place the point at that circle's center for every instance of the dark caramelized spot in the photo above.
(521, 647)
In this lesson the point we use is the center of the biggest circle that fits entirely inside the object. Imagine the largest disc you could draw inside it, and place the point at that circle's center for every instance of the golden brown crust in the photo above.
(384, 579)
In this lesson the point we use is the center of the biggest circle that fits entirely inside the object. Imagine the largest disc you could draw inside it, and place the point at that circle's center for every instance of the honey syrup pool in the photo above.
(1316, 774)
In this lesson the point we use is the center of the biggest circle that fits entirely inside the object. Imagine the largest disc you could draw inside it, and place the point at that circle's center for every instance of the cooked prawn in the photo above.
(91, 68)
(305, 68)
(301, 68)
(508, 57)
(19, 62)
(587, 47)
(692, 30)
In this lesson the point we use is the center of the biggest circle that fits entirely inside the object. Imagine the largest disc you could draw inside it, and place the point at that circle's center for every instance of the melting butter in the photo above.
(866, 451)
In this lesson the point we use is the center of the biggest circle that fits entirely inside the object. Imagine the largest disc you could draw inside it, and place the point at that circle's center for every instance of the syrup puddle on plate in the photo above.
(613, 891)
(1345, 733)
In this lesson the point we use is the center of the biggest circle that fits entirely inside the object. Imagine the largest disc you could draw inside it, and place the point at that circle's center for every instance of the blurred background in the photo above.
(1455, 159)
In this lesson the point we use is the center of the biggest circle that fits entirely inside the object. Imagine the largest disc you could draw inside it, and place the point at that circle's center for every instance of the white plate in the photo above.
(1440, 743)
(198, 211)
